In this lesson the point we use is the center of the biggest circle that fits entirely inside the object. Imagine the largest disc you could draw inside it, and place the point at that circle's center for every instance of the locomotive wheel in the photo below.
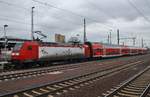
(18, 66)
(43, 64)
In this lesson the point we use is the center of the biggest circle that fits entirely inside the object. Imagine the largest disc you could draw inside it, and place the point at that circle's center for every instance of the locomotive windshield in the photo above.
(17, 46)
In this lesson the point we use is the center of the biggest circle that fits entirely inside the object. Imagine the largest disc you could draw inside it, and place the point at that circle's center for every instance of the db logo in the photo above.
(44, 52)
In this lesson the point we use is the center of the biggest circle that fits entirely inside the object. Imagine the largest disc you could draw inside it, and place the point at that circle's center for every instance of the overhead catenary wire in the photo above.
(101, 10)
(143, 8)
(7, 18)
(17, 6)
(148, 3)
(23, 23)
(57, 17)
(15, 21)
(14, 28)
(76, 14)
(69, 11)
(10, 17)
(26, 9)
(139, 11)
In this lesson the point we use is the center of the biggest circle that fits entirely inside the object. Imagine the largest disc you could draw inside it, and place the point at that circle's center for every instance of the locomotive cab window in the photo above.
(17, 46)
(29, 47)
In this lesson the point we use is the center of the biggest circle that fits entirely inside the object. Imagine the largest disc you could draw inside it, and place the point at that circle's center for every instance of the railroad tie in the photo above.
(10, 76)
(127, 95)
(68, 83)
(82, 85)
(90, 81)
(112, 89)
(26, 94)
(77, 80)
(71, 89)
(38, 93)
(104, 94)
(57, 86)
(140, 84)
(6, 79)
(148, 95)
(51, 88)
(58, 93)
(44, 90)
(63, 84)
(130, 92)
(108, 92)
(76, 87)
(115, 96)
(50, 96)
(134, 90)
(15, 96)
(64, 91)
(86, 83)
(137, 88)
(72, 81)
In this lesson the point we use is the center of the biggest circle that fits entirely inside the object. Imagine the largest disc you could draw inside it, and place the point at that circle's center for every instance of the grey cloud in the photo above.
(118, 13)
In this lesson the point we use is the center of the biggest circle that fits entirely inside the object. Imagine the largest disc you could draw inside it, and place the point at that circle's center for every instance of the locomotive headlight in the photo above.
(17, 54)
(13, 54)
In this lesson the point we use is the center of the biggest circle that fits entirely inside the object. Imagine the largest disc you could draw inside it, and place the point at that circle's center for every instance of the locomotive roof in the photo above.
(79, 44)
(58, 44)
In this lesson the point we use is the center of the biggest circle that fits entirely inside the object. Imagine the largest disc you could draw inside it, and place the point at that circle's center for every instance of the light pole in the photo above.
(118, 37)
(32, 23)
(5, 37)
(110, 36)
(142, 43)
(85, 38)
(108, 39)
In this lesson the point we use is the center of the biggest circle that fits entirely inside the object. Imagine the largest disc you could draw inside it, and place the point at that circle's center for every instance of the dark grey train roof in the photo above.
(117, 46)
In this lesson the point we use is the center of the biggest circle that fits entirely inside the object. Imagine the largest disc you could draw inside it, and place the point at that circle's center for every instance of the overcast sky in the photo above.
(65, 17)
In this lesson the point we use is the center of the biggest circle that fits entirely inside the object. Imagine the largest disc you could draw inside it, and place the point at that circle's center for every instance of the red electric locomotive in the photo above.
(33, 51)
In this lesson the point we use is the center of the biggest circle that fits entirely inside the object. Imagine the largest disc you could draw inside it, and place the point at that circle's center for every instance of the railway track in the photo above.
(40, 71)
(35, 72)
(137, 86)
(56, 88)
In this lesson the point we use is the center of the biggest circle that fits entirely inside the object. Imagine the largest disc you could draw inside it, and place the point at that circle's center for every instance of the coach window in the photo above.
(29, 48)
